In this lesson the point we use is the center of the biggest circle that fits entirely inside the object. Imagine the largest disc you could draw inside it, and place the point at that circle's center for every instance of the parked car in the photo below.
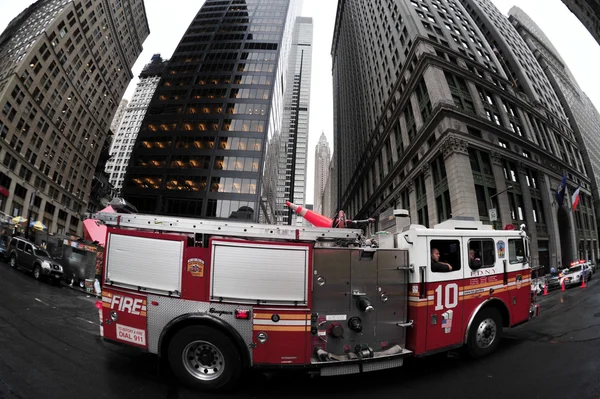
(28, 256)
(574, 275)
(3, 253)
(554, 281)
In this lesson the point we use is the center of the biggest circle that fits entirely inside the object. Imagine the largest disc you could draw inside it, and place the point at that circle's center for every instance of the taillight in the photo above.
(242, 314)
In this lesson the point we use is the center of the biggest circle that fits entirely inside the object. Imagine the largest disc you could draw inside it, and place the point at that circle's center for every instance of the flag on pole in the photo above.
(575, 199)
(560, 191)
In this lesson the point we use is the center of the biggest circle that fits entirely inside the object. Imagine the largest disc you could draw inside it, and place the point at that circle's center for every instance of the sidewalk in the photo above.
(77, 288)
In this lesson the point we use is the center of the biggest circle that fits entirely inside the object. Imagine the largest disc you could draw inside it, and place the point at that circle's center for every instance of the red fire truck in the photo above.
(213, 298)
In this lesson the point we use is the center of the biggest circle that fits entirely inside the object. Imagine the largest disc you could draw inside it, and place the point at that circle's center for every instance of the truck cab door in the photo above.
(519, 280)
(444, 304)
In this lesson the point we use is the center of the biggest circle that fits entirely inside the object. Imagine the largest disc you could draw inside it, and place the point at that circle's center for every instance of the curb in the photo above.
(80, 290)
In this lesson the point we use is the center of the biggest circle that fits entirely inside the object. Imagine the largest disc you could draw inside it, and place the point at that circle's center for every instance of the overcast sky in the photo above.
(169, 19)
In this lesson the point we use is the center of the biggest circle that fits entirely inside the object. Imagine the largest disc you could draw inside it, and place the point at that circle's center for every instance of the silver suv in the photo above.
(30, 257)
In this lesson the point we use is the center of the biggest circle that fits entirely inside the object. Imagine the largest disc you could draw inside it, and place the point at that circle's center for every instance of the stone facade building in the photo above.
(322, 161)
(588, 12)
(64, 66)
(583, 118)
(454, 117)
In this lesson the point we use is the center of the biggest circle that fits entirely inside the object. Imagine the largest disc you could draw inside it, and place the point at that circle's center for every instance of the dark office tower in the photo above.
(132, 116)
(583, 118)
(442, 109)
(588, 12)
(201, 149)
(64, 66)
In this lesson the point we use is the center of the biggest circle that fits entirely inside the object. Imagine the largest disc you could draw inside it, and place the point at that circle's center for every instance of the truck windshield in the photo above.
(573, 270)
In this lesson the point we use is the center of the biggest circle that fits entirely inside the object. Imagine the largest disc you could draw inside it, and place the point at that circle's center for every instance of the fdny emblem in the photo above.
(519, 281)
(501, 248)
(196, 267)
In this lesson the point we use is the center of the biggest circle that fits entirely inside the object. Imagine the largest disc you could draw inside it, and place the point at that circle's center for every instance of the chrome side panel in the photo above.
(341, 277)
(162, 310)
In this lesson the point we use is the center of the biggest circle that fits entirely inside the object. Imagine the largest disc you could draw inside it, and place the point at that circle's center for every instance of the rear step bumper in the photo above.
(350, 363)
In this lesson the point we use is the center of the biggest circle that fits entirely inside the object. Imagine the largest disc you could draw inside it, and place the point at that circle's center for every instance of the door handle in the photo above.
(422, 292)
(405, 324)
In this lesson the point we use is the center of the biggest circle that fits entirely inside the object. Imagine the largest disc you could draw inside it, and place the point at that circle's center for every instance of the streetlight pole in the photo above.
(28, 222)
(497, 194)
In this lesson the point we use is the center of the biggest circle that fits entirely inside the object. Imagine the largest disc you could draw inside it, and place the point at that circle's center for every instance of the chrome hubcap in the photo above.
(13, 262)
(203, 360)
(486, 333)
(36, 272)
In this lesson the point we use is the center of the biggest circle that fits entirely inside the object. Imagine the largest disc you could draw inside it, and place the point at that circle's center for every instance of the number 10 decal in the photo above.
(450, 299)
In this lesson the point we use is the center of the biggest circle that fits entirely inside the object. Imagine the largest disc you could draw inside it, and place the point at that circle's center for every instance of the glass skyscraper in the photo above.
(201, 150)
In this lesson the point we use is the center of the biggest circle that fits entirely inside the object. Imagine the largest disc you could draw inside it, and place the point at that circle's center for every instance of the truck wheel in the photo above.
(484, 335)
(37, 272)
(205, 359)
(13, 261)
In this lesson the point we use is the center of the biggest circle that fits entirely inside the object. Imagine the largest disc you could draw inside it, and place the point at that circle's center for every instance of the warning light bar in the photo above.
(242, 314)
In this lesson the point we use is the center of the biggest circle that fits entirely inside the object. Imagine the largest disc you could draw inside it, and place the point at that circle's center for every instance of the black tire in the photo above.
(229, 358)
(37, 272)
(487, 321)
(13, 261)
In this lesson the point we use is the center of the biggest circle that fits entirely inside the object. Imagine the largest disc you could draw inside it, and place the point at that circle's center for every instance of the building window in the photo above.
(399, 142)
(423, 99)
(460, 92)
(421, 193)
(410, 122)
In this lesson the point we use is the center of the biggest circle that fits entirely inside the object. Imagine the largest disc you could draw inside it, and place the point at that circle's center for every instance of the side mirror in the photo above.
(526, 249)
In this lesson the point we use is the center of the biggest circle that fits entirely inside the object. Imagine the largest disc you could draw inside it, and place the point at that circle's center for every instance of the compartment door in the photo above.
(392, 301)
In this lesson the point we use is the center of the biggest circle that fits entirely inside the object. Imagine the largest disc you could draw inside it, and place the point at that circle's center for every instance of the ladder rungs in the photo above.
(204, 226)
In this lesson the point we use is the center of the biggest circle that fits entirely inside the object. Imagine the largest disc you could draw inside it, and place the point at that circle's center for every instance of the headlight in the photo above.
(46, 265)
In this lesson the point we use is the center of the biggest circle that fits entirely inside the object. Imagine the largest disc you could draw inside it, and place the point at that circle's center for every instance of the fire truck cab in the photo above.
(486, 287)
(213, 298)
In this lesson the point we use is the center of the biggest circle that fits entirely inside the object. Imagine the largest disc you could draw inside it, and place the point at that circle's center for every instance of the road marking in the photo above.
(42, 302)
(87, 321)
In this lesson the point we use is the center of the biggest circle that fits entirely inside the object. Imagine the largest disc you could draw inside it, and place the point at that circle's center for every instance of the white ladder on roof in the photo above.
(224, 228)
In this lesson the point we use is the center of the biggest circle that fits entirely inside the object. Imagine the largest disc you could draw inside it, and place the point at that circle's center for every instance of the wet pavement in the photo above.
(50, 348)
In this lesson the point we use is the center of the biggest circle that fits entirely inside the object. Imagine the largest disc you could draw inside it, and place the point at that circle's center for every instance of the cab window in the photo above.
(443, 253)
(20, 245)
(482, 253)
(29, 249)
(516, 251)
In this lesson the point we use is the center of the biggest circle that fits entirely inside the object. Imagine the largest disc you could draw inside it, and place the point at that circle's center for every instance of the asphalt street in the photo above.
(50, 348)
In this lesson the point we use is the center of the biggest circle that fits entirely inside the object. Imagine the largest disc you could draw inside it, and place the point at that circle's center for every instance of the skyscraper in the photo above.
(64, 66)
(588, 12)
(322, 160)
(132, 117)
(442, 109)
(294, 137)
(583, 116)
(201, 150)
(118, 118)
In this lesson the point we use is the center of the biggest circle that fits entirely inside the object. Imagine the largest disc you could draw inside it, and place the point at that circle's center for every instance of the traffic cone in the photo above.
(583, 282)
(545, 289)
(563, 286)
(316, 219)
